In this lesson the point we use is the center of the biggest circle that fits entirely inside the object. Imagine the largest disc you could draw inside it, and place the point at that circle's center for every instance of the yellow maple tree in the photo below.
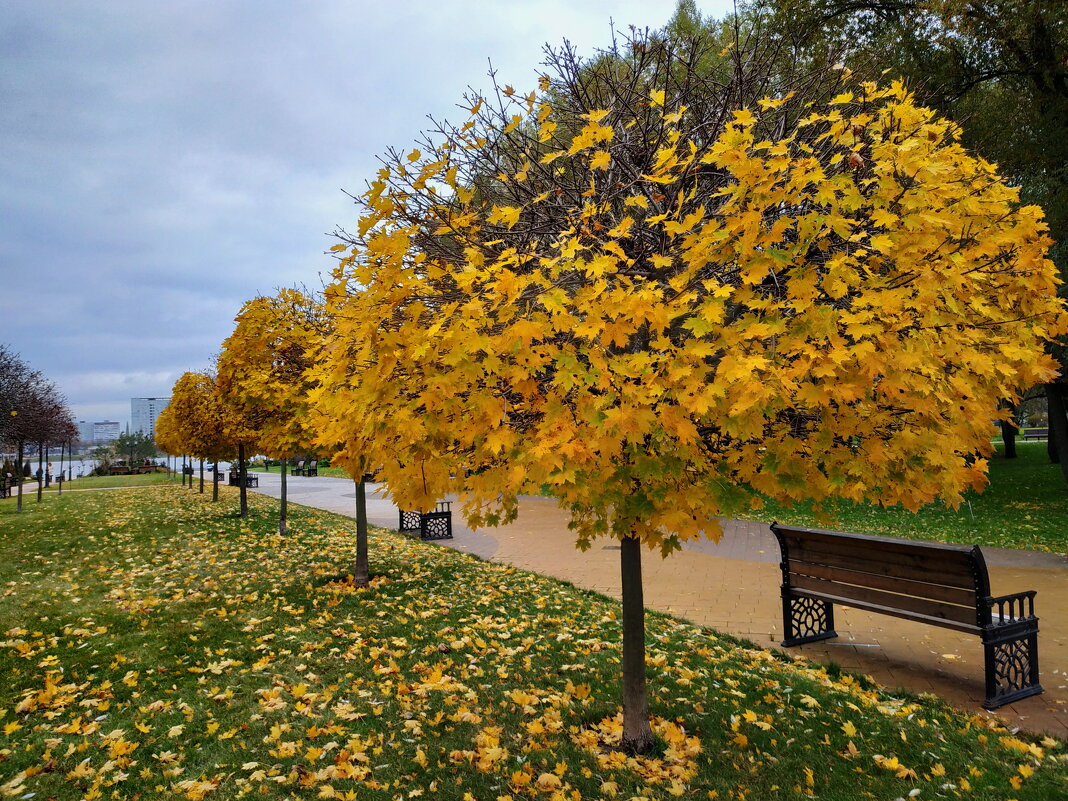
(661, 308)
(191, 424)
(266, 361)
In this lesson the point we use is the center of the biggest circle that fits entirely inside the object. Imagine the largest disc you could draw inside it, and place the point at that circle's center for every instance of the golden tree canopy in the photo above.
(191, 423)
(656, 315)
(265, 363)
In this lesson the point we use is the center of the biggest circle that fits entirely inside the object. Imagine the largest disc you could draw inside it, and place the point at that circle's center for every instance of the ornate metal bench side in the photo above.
(432, 525)
(804, 619)
(1010, 648)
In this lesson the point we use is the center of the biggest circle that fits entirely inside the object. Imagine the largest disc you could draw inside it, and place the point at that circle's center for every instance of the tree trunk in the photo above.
(362, 577)
(215, 481)
(18, 476)
(183, 471)
(1058, 424)
(1008, 432)
(282, 508)
(62, 445)
(241, 480)
(637, 734)
(40, 469)
(201, 476)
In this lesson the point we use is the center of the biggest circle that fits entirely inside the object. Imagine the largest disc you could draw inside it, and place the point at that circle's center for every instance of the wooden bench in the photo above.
(297, 469)
(943, 585)
(1035, 433)
(312, 468)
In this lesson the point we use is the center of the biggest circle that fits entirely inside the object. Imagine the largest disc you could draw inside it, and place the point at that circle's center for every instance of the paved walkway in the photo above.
(733, 586)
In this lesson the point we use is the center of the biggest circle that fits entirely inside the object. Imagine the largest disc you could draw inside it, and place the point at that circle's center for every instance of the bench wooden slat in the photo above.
(886, 542)
(967, 628)
(935, 612)
(939, 592)
(869, 543)
(936, 566)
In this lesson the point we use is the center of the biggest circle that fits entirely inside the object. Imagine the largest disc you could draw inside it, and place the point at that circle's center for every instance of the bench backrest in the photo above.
(946, 585)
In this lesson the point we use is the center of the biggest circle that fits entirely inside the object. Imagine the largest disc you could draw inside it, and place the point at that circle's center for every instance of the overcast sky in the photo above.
(163, 162)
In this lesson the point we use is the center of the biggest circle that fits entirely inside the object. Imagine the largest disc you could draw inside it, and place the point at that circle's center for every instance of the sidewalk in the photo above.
(733, 586)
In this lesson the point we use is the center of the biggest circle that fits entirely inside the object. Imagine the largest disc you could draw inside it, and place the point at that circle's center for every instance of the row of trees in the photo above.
(32, 412)
(703, 265)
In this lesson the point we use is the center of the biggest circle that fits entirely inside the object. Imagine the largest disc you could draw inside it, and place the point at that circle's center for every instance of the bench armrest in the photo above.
(1009, 608)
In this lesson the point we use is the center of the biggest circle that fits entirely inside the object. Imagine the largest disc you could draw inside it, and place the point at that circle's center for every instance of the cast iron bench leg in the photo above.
(1011, 653)
(806, 619)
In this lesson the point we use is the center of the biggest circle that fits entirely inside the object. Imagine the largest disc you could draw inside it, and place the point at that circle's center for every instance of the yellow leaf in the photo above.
(601, 160)
(623, 229)
(548, 781)
(508, 215)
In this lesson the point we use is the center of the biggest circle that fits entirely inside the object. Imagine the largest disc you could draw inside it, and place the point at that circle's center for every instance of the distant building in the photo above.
(85, 432)
(106, 431)
(143, 414)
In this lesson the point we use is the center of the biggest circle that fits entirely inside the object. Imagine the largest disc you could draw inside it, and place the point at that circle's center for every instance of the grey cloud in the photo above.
(164, 162)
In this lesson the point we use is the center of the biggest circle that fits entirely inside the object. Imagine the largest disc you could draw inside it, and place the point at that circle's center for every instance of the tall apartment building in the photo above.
(143, 414)
(106, 431)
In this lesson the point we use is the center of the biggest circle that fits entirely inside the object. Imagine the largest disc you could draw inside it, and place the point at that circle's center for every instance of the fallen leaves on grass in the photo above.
(153, 646)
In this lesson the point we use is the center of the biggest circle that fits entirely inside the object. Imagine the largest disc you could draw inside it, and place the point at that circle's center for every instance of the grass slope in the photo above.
(154, 645)
(144, 479)
(1024, 506)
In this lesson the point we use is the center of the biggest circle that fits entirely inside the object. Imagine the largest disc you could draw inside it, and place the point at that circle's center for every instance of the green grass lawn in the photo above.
(98, 482)
(144, 479)
(154, 645)
(332, 472)
(1025, 506)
